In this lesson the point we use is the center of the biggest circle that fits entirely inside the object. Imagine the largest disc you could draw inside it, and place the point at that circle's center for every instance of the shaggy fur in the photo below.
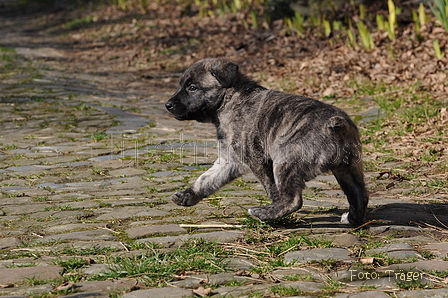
(284, 139)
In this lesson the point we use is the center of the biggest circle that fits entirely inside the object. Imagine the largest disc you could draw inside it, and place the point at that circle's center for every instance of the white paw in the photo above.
(344, 218)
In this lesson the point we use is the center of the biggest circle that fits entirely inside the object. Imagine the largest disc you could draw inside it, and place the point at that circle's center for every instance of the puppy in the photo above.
(284, 139)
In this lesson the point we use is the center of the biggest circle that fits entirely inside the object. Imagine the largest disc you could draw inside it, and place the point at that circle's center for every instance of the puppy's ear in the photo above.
(225, 72)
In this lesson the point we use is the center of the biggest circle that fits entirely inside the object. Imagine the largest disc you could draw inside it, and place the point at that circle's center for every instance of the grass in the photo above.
(72, 263)
(155, 268)
(99, 136)
(283, 291)
(299, 277)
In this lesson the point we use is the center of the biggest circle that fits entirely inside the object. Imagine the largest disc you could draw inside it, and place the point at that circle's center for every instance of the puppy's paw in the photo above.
(263, 213)
(186, 198)
(344, 218)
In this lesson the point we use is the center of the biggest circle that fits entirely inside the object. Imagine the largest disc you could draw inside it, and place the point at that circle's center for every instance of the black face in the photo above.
(200, 93)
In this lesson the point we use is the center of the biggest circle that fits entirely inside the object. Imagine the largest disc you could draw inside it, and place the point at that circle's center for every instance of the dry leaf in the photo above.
(327, 92)
(366, 261)
(6, 286)
(443, 115)
(64, 286)
(203, 292)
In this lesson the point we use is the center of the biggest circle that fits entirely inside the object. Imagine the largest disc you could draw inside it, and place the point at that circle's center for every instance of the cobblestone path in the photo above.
(89, 160)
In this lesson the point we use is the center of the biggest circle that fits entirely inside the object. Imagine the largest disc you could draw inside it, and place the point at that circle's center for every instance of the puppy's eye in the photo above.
(192, 88)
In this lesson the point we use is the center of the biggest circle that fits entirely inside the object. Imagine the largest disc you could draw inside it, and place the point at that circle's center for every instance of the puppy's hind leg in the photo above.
(351, 180)
(285, 192)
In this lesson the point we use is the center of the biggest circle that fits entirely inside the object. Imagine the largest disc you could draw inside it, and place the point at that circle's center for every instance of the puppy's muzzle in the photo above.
(169, 105)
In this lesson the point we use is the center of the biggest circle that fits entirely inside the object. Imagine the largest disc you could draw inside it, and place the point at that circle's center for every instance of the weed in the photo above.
(441, 12)
(391, 24)
(328, 264)
(10, 147)
(439, 274)
(155, 268)
(333, 285)
(71, 264)
(94, 250)
(97, 171)
(20, 265)
(99, 136)
(299, 277)
(82, 107)
(33, 281)
(255, 295)
(152, 189)
(296, 24)
(437, 50)
(427, 254)
(233, 283)
(285, 291)
(413, 284)
(365, 36)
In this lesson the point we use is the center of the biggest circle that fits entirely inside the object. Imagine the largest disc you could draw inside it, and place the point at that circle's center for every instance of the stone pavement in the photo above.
(89, 160)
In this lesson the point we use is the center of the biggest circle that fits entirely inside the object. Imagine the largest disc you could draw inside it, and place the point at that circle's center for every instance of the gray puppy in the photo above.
(284, 139)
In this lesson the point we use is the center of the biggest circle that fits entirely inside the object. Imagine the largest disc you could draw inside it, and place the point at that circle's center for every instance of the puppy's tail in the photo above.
(337, 123)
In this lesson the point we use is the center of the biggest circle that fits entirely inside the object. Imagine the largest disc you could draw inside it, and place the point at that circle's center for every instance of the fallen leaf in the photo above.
(327, 92)
(444, 115)
(203, 292)
(368, 260)
(6, 286)
(64, 286)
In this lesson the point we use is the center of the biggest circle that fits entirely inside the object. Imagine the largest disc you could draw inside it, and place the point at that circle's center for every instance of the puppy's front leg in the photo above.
(225, 169)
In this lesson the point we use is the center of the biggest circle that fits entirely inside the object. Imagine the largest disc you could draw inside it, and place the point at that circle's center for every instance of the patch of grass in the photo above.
(439, 274)
(155, 268)
(62, 207)
(333, 286)
(78, 23)
(10, 147)
(291, 243)
(232, 283)
(255, 295)
(328, 264)
(285, 291)
(72, 263)
(33, 281)
(427, 254)
(99, 136)
(155, 156)
(383, 259)
(21, 265)
(413, 284)
(299, 277)
(94, 250)
(83, 107)
(98, 171)
(152, 189)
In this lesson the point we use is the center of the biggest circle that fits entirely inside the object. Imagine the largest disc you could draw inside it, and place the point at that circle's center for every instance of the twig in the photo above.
(125, 248)
(364, 224)
(35, 234)
(231, 245)
(289, 249)
(105, 228)
(205, 226)
(439, 221)
(427, 225)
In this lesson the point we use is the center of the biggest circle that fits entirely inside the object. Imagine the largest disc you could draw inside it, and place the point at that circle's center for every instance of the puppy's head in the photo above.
(202, 89)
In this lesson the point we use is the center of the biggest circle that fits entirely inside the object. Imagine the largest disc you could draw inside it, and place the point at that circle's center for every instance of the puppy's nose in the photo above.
(169, 105)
